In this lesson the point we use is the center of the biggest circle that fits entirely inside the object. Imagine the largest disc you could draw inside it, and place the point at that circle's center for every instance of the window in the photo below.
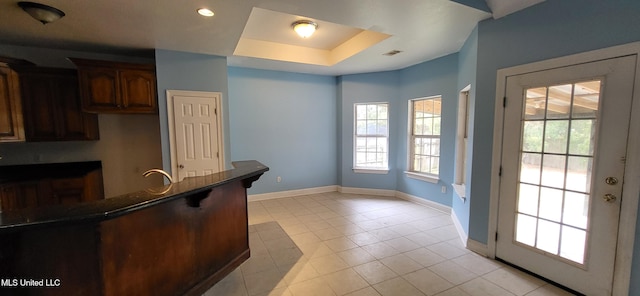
(371, 138)
(424, 155)
(461, 143)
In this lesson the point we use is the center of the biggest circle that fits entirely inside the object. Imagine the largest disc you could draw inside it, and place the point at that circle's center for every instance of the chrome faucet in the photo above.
(159, 171)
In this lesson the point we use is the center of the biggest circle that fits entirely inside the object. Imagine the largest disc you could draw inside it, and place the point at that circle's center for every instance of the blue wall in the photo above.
(551, 29)
(288, 122)
(435, 77)
(189, 71)
(367, 88)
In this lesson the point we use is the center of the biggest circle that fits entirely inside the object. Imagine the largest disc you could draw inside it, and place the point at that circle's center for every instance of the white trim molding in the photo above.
(464, 238)
(460, 190)
(479, 248)
(370, 171)
(394, 193)
(291, 193)
(367, 191)
(423, 177)
(425, 202)
(353, 190)
(631, 185)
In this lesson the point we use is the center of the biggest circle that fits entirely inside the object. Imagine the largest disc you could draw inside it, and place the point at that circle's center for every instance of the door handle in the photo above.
(609, 197)
(181, 166)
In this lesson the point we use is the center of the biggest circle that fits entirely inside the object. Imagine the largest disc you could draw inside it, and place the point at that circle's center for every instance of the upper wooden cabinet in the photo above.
(112, 87)
(11, 125)
(51, 106)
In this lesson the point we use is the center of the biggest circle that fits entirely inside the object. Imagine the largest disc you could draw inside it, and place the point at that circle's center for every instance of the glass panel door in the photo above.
(558, 139)
(564, 134)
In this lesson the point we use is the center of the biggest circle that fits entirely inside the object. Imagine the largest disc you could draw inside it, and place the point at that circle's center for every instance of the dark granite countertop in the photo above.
(121, 205)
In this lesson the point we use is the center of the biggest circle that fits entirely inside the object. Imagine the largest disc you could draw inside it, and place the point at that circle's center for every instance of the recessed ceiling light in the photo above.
(205, 12)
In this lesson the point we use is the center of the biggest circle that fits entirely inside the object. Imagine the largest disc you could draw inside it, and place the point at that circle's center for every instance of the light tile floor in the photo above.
(346, 244)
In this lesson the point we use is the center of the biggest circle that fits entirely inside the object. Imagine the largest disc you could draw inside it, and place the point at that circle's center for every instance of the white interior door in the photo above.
(197, 135)
(563, 161)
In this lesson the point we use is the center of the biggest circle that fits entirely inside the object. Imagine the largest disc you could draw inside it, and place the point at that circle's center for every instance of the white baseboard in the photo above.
(367, 191)
(351, 190)
(461, 234)
(425, 202)
(478, 247)
(291, 193)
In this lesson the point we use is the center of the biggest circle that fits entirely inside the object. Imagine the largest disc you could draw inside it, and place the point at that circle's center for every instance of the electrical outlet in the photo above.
(279, 179)
(444, 189)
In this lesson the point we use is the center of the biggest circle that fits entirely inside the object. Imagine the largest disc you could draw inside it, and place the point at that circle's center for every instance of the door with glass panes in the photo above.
(563, 161)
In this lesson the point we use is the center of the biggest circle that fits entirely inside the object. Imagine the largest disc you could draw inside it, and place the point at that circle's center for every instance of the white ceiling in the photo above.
(421, 29)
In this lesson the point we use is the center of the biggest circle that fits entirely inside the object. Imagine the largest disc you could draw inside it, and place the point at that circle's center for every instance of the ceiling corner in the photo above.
(477, 4)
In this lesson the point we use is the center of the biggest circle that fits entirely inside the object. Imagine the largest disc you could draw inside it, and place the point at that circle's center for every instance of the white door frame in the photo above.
(171, 125)
(631, 188)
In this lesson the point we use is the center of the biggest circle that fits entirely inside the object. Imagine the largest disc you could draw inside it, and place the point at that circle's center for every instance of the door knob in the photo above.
(181, 166)
(609, 197)
(611, 180)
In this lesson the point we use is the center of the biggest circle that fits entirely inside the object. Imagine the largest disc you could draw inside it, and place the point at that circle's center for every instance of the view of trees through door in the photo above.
(557, 158)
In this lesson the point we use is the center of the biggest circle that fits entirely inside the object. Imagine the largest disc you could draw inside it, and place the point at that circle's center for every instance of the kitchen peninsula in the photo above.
(178, 239)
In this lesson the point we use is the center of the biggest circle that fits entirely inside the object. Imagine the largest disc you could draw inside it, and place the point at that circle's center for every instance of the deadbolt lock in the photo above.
(611, 180)
(609, 197)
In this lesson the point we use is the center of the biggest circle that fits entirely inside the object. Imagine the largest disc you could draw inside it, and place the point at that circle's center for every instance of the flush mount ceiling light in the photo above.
(43, 13)
(205, 12)
(304, 28)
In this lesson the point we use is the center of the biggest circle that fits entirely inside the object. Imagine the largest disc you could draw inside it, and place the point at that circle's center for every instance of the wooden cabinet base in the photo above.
(175, 248)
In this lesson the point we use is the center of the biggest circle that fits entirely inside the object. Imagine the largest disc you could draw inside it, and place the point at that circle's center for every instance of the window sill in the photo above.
(370, 171)
(460, 191)
(423, 177)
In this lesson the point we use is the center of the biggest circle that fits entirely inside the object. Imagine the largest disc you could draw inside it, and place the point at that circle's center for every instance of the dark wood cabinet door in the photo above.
(68, 191)
(11, 125)
(114, 87)
(9, 197)
(138, 90)
(99, 89)
(73, 123)
(21, 195)
(54, 190)
(51, 106)
(39, 107)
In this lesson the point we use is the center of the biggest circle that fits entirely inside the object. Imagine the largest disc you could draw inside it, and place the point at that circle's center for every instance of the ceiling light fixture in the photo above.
(43, 13)
(205, 12)
(304, 28)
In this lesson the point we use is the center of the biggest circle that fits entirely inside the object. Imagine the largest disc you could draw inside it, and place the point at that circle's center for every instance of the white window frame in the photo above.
(372, 169)
(461, 143)
(411, 173)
